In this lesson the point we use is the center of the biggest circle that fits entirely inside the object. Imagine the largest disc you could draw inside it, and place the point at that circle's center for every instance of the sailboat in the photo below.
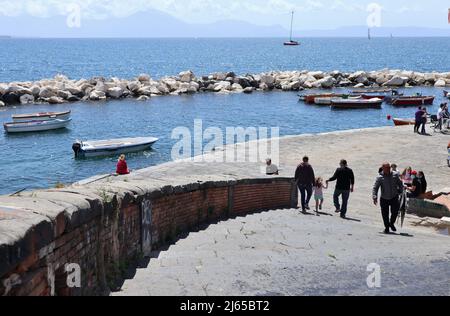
(291, 42)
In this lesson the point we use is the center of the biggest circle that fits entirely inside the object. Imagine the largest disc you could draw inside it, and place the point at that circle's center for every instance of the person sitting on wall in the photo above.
(122, 167)
(416, 187)
(271, 169)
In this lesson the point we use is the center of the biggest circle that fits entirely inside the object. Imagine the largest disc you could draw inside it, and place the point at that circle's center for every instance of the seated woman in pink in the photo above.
(122, 167)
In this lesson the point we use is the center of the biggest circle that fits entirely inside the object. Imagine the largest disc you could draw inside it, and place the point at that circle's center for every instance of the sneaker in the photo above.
(337, 211)
(320, 207)
(393, 228)
(343, 217)
(307, 207)
(386, 231)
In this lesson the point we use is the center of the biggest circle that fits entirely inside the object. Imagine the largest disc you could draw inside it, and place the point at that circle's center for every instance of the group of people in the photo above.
(443, 116)
(308, 184)
(394, 186)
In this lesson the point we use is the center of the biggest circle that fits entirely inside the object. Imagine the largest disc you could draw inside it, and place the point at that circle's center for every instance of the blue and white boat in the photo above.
(35, 126)
(87, 149)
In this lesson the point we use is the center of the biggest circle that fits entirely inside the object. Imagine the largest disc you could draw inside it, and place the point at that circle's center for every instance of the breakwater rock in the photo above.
(61, 89)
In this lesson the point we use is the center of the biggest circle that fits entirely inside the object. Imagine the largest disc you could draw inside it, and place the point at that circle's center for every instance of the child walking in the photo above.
(318, 193)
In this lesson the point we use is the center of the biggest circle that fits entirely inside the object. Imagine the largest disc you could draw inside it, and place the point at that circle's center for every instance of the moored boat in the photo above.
(35, 126)
(403, 122)
(410, 100)
(291, 42)
(44, 116)
(311, 98)
(327, 100)
(350, 103)
(109, 147)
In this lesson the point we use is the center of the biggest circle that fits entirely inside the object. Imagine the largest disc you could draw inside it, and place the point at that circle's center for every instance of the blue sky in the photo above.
(310, 14)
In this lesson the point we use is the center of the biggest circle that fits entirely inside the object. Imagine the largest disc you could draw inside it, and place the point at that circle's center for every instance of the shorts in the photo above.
(318, 197)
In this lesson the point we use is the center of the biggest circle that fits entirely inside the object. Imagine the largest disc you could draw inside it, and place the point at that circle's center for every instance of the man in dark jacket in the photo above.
(391, 188)
(344, 186)
(304, 176)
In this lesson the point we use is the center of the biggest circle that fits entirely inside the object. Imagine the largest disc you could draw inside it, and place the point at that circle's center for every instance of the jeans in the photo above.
(345, 196)
(389, 205)
(306, 194)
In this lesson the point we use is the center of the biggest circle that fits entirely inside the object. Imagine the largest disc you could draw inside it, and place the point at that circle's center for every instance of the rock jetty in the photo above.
(61, 89)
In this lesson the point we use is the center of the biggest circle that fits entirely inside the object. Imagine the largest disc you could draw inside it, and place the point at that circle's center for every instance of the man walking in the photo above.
(344, 186)
(304, 176)
(391, 188)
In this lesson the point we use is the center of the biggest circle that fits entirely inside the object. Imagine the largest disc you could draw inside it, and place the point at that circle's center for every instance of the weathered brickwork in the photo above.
(107, 237)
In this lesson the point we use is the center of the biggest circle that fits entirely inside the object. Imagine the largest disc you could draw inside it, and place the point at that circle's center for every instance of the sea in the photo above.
(43, 160)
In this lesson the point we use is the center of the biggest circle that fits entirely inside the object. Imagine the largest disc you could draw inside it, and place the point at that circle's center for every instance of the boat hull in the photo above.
(46, 116)
(35, 126)
(85, 150)
(291, 43)
(404, 122)
(356, 104)
(413, 101)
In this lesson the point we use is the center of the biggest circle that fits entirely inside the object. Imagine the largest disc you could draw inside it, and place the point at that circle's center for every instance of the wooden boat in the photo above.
(403, 122)
(327, 100)
(372, 90)
(343, 103)
(44, 116)
(411, 100)
(109, 147)
(35, 126)
(291, 42)
(311, 98)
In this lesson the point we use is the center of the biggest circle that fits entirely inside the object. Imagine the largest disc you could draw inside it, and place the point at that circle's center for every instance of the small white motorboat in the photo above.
(43, 116)
(35, 126)
(110, 147)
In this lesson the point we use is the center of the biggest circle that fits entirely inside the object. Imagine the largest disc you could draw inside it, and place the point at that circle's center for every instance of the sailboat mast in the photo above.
(292, 22)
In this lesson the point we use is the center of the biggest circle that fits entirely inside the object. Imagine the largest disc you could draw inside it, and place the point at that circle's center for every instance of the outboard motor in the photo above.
(76, 149)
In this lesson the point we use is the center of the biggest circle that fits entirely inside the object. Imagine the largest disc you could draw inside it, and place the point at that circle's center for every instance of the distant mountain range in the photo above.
(154, 23)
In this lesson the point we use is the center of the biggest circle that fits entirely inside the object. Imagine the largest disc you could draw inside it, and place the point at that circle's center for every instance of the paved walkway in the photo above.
(283, 252)
(288, 253)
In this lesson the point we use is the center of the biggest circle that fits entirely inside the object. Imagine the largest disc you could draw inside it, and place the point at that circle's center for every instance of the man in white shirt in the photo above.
(271, 169)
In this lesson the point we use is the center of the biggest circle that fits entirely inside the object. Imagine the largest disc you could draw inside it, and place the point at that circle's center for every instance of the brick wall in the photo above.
(104, 245)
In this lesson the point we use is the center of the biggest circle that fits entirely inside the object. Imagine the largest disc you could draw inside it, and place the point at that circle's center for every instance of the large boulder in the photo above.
(115, 92)
(35, 90)
(327, 82)
(63, 94)
(97, 95)
(186, 76)
(163, 88)
(143, 98)
(222, 85)
(55, 100)
(248, 90)
(268, 80)
(193, 87)
(172, 84)
(26, 99)
(18, 89)
(2, 104)
(11, 98)
(144, 78)
(396, 81)
(317, 74)
(440, 83)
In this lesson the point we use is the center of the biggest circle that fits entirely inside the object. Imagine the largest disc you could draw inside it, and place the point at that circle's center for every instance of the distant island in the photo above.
(5, 37)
